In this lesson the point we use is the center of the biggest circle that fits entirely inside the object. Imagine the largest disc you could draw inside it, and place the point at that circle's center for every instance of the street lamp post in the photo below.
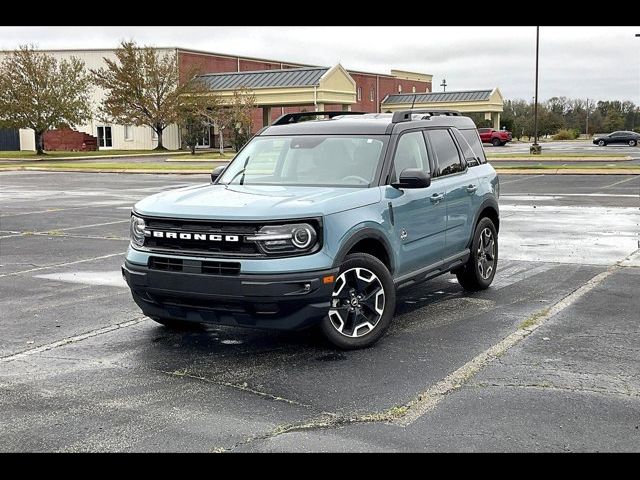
(536, 149)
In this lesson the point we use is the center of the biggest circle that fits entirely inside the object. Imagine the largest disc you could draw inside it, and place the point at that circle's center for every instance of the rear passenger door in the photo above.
(459, 184)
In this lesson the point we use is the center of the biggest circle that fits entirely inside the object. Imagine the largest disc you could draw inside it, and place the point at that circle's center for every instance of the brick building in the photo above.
(369, 89)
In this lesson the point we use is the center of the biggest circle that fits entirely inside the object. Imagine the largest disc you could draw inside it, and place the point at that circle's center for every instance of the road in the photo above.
(82, 370)
(582, 147)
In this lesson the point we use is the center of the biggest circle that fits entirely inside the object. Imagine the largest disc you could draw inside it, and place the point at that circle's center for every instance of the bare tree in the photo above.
(39, 92)
(143, 88)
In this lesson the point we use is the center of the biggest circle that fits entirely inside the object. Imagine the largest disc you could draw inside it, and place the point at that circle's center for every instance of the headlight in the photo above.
(137, 230)
(297, 237)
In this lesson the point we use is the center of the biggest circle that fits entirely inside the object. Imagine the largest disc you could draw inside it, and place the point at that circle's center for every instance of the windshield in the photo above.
(324, 160)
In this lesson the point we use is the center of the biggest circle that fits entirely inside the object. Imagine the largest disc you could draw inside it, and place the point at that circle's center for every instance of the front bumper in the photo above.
(283, 301)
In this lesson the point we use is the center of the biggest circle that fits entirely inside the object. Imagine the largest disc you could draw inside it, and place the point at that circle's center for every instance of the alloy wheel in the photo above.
(486, 253)
(357, 302)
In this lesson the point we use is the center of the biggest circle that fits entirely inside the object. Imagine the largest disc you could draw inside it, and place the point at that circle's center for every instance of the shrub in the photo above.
(566, 134)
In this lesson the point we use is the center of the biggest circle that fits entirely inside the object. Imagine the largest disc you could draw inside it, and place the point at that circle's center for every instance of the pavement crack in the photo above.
(325, 421)
(238, 386)
(549, 386)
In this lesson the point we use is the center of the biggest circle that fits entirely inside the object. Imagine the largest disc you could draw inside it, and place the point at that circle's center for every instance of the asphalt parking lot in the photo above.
(82, 370)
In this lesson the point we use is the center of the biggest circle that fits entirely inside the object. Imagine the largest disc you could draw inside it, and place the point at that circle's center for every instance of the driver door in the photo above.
(419, 213)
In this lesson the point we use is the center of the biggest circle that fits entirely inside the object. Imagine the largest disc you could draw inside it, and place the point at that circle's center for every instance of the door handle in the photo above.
(436, 197)
(472, 188)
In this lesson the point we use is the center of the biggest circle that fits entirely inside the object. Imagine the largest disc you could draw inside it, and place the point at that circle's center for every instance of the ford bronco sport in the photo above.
(319, 223)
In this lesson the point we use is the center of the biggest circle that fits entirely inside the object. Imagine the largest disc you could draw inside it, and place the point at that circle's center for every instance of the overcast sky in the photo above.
(594, 62)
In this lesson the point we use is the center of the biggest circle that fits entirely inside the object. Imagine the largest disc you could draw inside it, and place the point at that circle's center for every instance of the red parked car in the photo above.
(494, 137)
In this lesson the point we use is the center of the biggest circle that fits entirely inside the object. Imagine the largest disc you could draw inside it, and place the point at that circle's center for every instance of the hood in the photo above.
(255, 202)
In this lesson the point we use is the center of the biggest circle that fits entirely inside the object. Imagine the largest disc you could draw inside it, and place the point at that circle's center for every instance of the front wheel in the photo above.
(363, 302)
(496, 142)
(633, 143)
(601, 143)
(480, 269)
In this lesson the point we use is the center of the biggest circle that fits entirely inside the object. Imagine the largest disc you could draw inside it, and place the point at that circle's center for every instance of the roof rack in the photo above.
(405, 115)
(295, 117)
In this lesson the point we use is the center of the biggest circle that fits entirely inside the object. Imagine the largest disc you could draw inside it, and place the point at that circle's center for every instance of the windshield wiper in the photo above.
(240, 172)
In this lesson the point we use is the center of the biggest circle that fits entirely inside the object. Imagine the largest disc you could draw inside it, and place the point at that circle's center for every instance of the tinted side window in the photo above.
(411, 152)
(471, 146)
(446, 152)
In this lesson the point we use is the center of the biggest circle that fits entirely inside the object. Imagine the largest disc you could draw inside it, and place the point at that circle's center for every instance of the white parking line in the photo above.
(46, 267)
(19, 234)
(520, 179)
(430, 398)
(621, 181)
(68, 340)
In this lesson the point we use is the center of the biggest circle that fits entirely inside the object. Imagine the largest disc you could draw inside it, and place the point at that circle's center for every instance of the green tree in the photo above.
(242, 105)
(143, 87)
(39, 92)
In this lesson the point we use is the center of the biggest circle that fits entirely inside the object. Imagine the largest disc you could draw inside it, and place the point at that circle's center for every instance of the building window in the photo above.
(413, 89)
(104, 137)
(399, 88)
(372, 94)
(128, 132)
(359, 93)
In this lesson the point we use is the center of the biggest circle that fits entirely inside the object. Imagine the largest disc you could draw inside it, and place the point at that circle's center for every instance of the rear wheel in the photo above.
(496, 142)
(363, 302)
(480, 269)
(633, 143)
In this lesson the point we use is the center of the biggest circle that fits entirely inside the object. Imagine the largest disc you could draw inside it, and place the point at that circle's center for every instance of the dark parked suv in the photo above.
(318, 223)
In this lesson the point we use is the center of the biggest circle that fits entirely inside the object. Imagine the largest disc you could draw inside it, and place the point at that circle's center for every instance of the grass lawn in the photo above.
(27, 155)
(90, 166)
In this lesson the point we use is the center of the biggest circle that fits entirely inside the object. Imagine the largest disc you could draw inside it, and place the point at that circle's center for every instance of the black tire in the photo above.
(179, 325)
(471, 276)
(602, 143)
(633, 143)
(344, 332)
(496, 142)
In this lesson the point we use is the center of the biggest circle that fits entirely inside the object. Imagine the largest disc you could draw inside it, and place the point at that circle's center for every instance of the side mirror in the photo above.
(217, 172)
(412, 178)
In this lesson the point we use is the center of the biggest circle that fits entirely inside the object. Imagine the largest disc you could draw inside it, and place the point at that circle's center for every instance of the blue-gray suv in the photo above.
(317, 222)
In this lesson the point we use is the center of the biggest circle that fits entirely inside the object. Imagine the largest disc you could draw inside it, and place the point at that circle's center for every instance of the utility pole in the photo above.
(536, 149)
(444, 84)
(587, 117)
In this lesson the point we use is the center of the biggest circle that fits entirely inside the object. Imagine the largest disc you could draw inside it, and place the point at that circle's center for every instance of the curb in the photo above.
(92, 157)
(560, 159)
(105, 170)
(201, 160)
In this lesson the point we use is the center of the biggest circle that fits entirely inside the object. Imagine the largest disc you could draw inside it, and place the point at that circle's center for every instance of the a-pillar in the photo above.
(266, 116)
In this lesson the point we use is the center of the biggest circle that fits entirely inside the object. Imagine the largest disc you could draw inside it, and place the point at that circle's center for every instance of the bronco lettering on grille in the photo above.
(192, 236)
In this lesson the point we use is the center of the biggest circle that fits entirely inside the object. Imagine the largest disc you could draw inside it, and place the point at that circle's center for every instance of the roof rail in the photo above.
(295, 117)
(405, 115)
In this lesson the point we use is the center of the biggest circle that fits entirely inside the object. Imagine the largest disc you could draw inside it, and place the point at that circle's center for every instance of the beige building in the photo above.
(488, 102)
(110, 136)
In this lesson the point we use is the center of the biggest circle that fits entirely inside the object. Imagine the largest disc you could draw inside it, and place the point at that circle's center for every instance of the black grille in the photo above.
(240, 247)
(194, 266)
